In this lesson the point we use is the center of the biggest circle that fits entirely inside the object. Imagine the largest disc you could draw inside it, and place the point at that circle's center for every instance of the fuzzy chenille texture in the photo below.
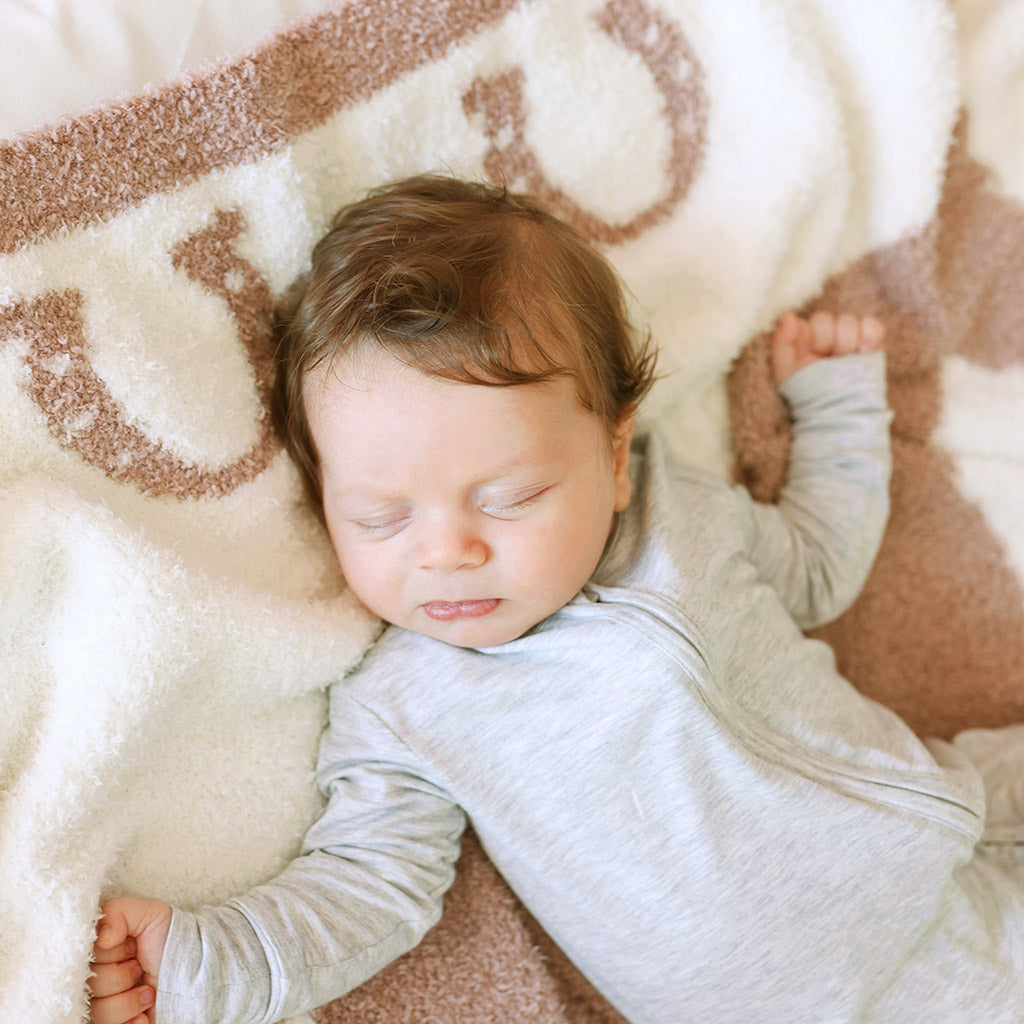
(169, 610)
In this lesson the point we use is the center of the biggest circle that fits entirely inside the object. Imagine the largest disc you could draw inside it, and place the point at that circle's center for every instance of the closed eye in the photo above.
(380, 528)
(514, 507)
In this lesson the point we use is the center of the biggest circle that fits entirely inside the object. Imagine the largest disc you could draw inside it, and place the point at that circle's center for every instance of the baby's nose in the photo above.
(449, 546)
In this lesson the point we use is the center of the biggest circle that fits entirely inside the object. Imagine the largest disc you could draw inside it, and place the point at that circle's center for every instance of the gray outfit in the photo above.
(710, 821)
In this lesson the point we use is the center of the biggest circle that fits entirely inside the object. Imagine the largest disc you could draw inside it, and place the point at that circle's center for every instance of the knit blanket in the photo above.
(170, 613)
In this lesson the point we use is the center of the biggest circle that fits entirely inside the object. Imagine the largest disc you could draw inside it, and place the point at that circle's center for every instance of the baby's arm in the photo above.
(376, 866)
(816, 545)
(126, 960)
(368, 886)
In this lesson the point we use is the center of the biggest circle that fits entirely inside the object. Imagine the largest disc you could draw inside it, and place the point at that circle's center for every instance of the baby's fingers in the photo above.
(823, 332)
(791, 346)
(872, 334)
(844, 334)
(113, 929)
(124, 1008)
(109, 979)
(847, 333)
(125, 951)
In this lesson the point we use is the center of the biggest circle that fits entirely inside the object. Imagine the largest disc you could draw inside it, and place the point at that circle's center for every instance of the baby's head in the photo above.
(457, 382)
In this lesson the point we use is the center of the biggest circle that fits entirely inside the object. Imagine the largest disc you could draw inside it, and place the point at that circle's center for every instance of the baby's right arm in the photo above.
(368, 884)
(126, 960)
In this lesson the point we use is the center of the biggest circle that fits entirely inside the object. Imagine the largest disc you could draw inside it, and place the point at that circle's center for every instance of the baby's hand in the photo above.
(797, 342)
(126, 960)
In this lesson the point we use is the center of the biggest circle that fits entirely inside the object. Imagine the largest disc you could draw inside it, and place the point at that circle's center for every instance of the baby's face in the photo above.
(465, 512)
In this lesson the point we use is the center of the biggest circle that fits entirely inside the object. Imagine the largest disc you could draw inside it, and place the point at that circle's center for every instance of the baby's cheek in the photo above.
(563, 572)
(366, 578)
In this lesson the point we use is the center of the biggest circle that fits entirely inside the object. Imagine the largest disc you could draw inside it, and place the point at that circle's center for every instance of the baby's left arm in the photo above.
(816, 545)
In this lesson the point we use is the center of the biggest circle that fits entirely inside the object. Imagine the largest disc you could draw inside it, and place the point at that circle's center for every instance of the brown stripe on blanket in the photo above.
(679, 78)
(89, 168)
(84, 417)
(938, 632)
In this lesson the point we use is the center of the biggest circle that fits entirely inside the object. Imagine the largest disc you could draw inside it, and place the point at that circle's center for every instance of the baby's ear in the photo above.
(620, 453)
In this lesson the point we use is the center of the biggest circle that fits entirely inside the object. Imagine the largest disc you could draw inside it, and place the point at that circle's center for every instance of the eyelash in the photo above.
(377, 529)
(393, 525)
(516, 506)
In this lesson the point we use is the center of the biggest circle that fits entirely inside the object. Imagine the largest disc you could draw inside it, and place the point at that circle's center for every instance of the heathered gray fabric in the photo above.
(711, 822)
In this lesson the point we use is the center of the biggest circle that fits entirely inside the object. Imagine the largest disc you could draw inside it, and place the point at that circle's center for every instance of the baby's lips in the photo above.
(448, 611)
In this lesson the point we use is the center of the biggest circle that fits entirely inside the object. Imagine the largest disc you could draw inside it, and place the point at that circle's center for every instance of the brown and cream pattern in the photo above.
(170, 615)
(938, 631)
(78, 408)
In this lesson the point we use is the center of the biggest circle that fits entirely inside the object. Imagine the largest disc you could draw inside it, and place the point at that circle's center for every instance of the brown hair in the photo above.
(460, 280)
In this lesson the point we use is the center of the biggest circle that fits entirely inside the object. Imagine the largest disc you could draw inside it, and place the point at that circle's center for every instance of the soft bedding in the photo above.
(169, 612)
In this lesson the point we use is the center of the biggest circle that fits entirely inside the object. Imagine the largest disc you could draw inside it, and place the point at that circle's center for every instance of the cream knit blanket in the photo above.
(169, 611)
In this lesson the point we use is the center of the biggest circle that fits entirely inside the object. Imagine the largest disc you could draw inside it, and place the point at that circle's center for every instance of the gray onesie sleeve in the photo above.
(817, 544)
(367, 888)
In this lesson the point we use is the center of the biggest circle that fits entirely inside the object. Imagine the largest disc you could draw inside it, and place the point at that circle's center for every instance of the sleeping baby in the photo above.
(595, 655)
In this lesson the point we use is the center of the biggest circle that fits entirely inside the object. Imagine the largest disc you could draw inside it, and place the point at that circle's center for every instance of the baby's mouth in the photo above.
(448, 611)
